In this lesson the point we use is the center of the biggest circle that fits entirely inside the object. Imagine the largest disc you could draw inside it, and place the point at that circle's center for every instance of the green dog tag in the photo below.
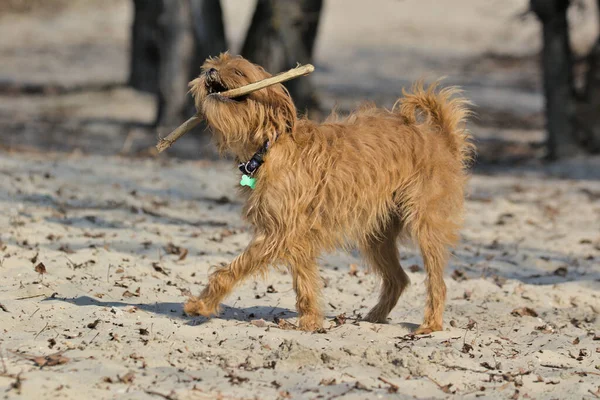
(248, 181)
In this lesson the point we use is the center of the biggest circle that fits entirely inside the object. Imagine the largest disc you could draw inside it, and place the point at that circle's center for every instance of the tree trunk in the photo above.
(180, 35)
(176, 55)
(282, 33)
(588, 108)
(144, 57)
(558, 77)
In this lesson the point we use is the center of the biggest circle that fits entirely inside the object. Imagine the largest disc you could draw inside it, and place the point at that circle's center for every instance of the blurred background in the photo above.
(109, 76)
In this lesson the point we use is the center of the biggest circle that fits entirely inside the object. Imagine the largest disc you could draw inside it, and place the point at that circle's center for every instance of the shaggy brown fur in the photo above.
(365, 180)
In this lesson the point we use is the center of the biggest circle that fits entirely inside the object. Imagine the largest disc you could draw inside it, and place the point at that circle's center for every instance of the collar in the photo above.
(251, 166)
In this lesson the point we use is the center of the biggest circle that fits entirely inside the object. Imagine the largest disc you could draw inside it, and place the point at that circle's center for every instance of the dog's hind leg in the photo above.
(259, 254)
(435, 257)
(381, 252)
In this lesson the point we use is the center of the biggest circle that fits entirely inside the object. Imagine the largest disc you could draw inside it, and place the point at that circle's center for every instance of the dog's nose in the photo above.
(211, 73)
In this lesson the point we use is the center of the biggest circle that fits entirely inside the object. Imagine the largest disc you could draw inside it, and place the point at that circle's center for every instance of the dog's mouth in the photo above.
(215, 86)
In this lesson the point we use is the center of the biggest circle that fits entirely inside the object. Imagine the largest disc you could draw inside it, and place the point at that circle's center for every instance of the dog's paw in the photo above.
(310, 323)
(375, 318)
(427, 329)
(195, 306)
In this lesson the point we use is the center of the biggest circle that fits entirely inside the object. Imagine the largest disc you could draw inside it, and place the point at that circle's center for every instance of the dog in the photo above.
(365, 180)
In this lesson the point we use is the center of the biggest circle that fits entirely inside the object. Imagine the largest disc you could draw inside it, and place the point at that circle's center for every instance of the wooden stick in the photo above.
(184, 128)
(302, 70)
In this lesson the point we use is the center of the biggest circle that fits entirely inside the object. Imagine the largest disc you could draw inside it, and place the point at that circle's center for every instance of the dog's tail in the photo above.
(444, 109)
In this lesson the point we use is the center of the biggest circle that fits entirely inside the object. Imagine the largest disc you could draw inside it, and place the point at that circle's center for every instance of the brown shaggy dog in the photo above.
(366, 180)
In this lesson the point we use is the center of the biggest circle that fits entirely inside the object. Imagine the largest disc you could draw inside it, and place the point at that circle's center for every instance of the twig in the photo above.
(165, 143)
(302, 70)
(40, 332)
(393, 386)
(555, 366)
(164, 396)
(33, 313)
(31, 297)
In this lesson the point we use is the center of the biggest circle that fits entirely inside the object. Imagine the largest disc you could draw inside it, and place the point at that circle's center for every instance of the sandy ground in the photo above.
(98, 252)
(122, 242)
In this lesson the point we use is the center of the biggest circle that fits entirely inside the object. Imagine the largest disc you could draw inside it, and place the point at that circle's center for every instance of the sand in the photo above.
(122, 242)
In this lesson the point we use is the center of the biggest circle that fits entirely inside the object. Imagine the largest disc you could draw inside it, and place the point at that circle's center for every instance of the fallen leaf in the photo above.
(183, 254)
(40, 268)
(271, 289)
(459, 275)
(340, 319)
(523, 311)
(144, 332)
(414, 268)
(561, 271)
(466, 348)
(50, 361)
(353, 270)
(327, 382)
(260, 323)
(176, 250)
(157, 267)
(34, 258)
(94, 235)
(285, 325)
(127, 378)
(66, 249)
(3, 308)
(93, 325)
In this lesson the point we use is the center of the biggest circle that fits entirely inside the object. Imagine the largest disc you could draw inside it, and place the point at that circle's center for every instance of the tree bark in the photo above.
(144, 53)
(558, 77)
(179, 35)
(588, 108)
(283, 33)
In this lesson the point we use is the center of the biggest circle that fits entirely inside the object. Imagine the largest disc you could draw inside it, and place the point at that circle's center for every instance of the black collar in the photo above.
(251, 166)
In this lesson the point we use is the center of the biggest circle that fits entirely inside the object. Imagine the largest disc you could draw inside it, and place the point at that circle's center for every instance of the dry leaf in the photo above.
(50, 361)
(40, 268)
(260, 323)
(327, 382)
(459, 275)
(93, 325)
(523, 311)
(127, 378)
(353, 270)
(176, 250)
(271, 289)
(66, 249)
(94, 235)
(285, 325)
(157, 267)
(414, 268)
(340, 319)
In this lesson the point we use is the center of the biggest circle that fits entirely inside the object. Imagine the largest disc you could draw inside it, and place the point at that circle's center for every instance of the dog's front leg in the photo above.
(307, 285)
(258, 255)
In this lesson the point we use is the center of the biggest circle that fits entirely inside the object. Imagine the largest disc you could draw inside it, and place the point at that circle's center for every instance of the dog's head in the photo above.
(243, 124)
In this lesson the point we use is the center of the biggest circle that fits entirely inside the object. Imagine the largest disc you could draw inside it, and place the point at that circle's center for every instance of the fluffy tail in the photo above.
(444, 109)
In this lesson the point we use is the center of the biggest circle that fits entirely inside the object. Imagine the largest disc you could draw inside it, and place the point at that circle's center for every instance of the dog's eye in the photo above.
(239, 73)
